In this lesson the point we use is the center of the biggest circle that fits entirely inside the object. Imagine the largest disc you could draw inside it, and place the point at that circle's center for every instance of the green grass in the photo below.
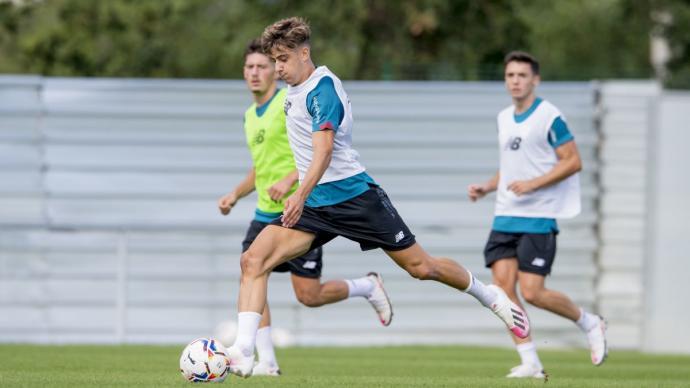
(407, 366)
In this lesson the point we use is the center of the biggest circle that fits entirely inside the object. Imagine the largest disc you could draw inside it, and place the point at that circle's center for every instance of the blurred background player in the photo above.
(336, 197)
(537, 182)
(274, 177)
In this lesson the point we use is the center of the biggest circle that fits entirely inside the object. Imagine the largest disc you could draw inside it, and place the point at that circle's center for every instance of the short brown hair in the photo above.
(291, 33)
(521, 56)
(253, 47)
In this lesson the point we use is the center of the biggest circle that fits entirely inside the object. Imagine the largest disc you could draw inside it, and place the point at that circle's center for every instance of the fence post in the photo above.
(121, 297)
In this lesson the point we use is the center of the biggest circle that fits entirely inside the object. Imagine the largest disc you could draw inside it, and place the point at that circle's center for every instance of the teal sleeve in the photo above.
(325, 107)
(559, 133)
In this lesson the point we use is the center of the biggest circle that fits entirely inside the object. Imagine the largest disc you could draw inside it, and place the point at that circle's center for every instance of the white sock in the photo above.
(264, 346)
(528, 354)
(587, 321)
(359, 287)
(480, 291)
(247, 325)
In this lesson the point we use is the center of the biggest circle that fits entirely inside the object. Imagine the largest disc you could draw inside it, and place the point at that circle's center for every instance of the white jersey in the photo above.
(527, 145)
(320, 103)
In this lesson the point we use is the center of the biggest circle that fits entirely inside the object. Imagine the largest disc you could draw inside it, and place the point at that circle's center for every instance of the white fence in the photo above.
(109, 230)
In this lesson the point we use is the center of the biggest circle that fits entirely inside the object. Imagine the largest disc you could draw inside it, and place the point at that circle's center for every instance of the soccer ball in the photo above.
(204, 360)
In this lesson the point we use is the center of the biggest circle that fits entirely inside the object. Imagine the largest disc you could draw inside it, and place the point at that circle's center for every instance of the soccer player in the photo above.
(336, 197)
(274, 177)
(536, 183)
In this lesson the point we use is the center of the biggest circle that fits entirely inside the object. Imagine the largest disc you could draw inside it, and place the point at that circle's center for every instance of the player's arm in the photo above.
(283, 186)
(322, 143)
(569, 163)
(478, 190)
(244, 188)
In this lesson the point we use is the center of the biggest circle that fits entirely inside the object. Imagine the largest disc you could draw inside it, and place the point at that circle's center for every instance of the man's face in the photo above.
(289, 63)
(259, 73)
(520, 80)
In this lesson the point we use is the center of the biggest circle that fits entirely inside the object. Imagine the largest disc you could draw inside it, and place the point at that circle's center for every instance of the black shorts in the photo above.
(369, 219)
(535, 252)
(307, 266)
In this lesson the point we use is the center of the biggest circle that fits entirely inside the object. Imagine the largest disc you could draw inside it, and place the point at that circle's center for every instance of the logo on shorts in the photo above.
(399, 236)
(538, 262)
(309, 265)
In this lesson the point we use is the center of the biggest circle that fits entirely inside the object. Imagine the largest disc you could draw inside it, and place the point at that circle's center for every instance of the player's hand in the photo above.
(278, 190)
(226, 203)
(476, 191)
(521, 187)
(293, 210)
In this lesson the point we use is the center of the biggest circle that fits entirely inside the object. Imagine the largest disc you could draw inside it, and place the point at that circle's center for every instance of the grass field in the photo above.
(409, 366)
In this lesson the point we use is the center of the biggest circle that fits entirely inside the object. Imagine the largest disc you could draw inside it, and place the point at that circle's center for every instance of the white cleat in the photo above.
(510, 313)
(379, 299)
(240, 364)
(266, 369)
(597, 342)
(527, 371)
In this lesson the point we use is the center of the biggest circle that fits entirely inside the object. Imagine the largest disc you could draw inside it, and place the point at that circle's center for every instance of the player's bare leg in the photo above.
(504, 273)
(420, 265)
(533, 290)
(273, 246)
(313, 293)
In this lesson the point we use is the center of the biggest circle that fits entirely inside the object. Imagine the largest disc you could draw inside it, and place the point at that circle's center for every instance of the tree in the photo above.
(360, 39)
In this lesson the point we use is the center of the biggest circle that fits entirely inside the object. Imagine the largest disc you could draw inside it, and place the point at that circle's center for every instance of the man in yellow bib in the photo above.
(274, 177)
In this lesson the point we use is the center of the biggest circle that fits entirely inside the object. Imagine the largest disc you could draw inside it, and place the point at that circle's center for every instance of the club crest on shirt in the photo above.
(287, 105)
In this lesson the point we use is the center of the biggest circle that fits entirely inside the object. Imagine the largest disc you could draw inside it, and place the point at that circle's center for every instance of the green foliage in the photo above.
(586, 39)
(358, 39)
(677, 30)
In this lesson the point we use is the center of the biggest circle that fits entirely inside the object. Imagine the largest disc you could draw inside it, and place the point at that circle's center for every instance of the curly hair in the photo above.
(291, 33)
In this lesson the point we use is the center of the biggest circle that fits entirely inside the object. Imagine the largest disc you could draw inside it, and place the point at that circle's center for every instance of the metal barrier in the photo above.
(109, 230)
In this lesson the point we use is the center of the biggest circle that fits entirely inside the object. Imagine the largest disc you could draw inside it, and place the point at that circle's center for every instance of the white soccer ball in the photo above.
(204, 360)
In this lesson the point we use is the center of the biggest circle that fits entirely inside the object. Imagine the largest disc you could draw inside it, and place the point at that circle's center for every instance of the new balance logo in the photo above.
(399, 236)
(538, 262)
(309, 265)
(513, 143)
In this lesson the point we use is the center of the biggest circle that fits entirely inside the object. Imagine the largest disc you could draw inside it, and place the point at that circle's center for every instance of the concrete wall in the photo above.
(666, 285)
(110, 231)
(627, 122)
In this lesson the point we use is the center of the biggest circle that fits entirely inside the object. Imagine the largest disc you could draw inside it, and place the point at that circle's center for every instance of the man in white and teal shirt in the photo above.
(336, 197)
(537, 183)
(274, 177)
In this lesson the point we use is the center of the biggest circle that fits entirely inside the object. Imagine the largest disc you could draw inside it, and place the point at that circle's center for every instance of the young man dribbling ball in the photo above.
(336, 197)
(274, 177)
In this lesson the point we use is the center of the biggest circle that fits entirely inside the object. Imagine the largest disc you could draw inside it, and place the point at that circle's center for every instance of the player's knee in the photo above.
(421, 271)
(309, 298)
(251, 264)
(531, 295)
